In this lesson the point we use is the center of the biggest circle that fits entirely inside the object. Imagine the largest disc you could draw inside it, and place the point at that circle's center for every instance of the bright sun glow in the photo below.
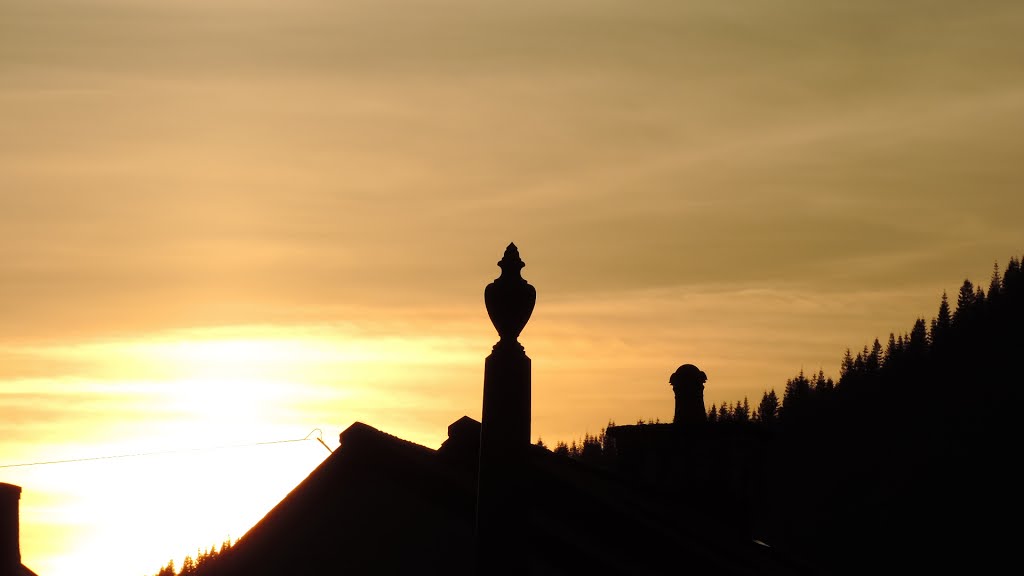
(213, 417)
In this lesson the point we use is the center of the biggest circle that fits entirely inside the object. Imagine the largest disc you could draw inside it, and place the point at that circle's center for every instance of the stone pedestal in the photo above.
(503, 484)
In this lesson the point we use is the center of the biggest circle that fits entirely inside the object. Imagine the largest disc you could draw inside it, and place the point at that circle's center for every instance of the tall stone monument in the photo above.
(503, 480)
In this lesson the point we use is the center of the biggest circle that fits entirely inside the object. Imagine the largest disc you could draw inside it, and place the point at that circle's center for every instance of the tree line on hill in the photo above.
(910, 451)
(205, 562)
(908, 458)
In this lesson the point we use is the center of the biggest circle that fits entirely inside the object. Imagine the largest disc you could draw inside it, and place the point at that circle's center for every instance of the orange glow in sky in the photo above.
(237, 221)
(192, 405)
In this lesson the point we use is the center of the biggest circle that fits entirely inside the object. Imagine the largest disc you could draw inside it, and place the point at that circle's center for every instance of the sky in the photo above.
(231, 222)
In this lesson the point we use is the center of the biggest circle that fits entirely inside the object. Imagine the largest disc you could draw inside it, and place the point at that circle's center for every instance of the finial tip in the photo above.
(511, 257)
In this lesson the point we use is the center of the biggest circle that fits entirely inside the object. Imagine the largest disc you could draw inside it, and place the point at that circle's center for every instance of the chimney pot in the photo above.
(688, 384)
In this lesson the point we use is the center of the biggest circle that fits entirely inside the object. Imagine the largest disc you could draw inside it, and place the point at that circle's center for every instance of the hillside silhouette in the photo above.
(906, 462)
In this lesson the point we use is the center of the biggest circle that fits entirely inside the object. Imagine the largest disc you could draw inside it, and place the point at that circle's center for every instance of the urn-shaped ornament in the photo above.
(510, 298)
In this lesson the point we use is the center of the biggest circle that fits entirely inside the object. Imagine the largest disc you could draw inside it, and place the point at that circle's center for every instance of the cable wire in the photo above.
(319, 438)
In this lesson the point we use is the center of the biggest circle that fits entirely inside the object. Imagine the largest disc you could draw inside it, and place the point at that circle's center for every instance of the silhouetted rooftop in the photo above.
(383, 505)
(10, 547)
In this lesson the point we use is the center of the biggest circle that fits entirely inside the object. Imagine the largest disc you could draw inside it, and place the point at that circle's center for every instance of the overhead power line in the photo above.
(317, 431)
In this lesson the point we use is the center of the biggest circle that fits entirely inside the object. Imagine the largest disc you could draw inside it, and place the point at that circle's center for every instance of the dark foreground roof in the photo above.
(10, 545)
(383, 505)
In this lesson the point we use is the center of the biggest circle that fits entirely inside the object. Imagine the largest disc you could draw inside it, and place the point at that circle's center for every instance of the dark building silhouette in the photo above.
(711, 476)
(10, 532)
(486, 501)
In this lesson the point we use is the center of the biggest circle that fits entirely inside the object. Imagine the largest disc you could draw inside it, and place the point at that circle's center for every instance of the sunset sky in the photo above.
(225, 222)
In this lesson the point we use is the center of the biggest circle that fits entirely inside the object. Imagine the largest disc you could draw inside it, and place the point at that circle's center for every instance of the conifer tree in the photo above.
(1012, 281)
(917, 342)
(995, 285)
(741, 411)
(188, 567)
(795, 398)
(823, 385)
(846, 366)
(768, 409)
(941, 322)
(873, 359)
(891, 351)
(858, 361)
(964, 303)
(167, 570)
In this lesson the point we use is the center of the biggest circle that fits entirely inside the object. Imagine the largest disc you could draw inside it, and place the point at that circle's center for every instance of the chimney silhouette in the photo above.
(503, 476)
(10, 545)
(688, 385)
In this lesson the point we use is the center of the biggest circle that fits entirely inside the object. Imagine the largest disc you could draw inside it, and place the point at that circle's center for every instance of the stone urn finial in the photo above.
(510, 298)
